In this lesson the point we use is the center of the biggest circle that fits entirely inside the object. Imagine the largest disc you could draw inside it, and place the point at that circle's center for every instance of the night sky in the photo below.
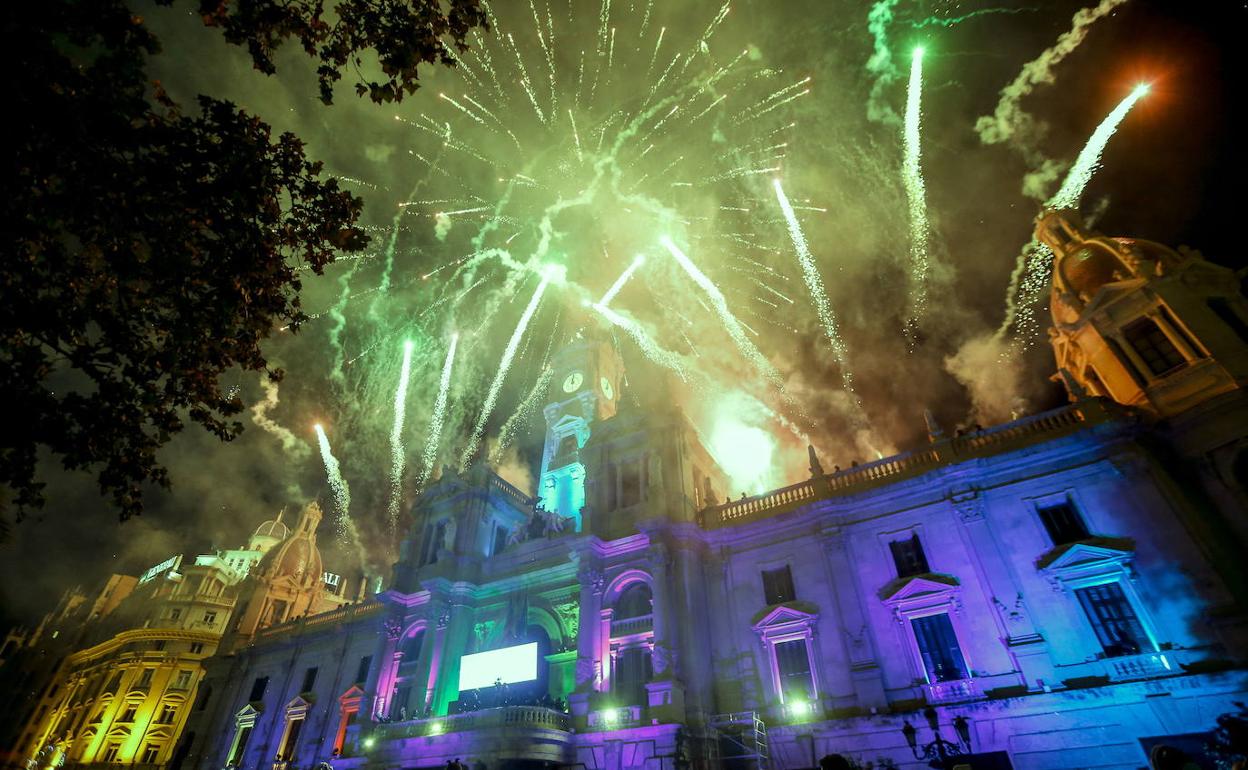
(1170, 174)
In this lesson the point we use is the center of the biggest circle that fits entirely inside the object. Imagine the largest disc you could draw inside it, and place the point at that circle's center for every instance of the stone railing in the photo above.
(340, 615)
(630, 626)
(1013, 435)
(1143, 666)
(949, 692)
(531, 717)
(500, 486)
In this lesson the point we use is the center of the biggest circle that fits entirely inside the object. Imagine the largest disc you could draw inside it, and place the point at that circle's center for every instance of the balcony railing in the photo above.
(949, 692)
(1013, 435)
(630, 626)
(500, 486)
(535, 717)
(1144, 666)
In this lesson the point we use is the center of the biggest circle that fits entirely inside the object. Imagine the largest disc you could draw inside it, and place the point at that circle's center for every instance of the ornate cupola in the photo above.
(1140, 323)
(585, 388)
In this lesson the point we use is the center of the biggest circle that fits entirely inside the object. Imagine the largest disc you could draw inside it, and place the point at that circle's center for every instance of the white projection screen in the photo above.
(510, 664)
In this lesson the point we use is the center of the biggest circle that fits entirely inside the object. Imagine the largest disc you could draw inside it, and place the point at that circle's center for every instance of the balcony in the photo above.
(1146, 665)
(951, 692)
(631, 626)
(1008, 437)
(524, 717)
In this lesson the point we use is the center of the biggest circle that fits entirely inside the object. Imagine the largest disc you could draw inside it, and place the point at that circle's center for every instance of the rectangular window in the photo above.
(361, 672)
(1113, 618)
(149, 754)
(1225, 311)
(938, 646)
(110, 752)
(309, 679)
(183, 680)
(159, 645)
(793, 665)
(632, 671)
(197, 648)
(167, 715)
(240, 746)
(210, 617)
(1062, 522)
(127, 715)
(145, 679)
(500, 539)
(1153, 346)
(778, 585)
(909, 557)
(175, 613)
(630, 484)
(257, 689)
(292, 739)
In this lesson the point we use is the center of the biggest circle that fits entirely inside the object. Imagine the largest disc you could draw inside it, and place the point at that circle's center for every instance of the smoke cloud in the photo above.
(1010, 124)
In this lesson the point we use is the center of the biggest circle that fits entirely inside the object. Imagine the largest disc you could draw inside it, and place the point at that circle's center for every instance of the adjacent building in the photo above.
(119, 693)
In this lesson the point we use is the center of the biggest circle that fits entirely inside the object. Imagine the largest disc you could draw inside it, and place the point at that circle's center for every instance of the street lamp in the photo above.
(939, 749)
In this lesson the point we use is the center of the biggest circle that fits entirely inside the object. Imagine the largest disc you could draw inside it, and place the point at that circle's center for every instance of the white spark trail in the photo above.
(398, 452)
(504, 365)
(438, 418)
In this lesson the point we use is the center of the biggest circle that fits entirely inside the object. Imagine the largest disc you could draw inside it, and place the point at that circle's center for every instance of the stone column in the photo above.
(663, 611)
(381, 679)
(587, 638)
(864, 666)
(454, 627)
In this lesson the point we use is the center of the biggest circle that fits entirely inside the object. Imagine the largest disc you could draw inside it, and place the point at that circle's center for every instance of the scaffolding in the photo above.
(746, 731)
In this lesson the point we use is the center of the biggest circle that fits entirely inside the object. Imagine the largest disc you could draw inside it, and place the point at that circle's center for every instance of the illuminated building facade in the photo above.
(1065, 590)
(121, 695)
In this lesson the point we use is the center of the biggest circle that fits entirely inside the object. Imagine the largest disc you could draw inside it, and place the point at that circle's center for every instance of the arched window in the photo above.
(635, 601)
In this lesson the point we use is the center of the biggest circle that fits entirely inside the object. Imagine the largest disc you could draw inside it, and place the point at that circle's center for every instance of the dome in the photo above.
(1090, 266)
(273, 528)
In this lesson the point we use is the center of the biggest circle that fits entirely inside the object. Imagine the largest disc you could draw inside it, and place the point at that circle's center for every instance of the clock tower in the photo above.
(585, 388)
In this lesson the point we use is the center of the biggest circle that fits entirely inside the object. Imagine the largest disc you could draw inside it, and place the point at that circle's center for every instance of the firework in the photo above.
(912, 174)
(1030, 279)
(398, 452)
(504, 365)
(337, 485)
(814, 282)
(730, 322)
(623, 279)
(438, 418)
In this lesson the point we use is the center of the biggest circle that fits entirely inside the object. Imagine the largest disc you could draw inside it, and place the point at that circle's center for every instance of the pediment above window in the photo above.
(1087, 554)
(786, 617)
(247, 714)
(299, 706)
(1087, 562)
(918, 588)
(352, 697)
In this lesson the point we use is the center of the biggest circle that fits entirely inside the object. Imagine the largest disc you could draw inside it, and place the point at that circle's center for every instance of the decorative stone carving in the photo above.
(570, 617)
(593, 578)
(969, 504)
(482, 631)
(444, 618)
(394, 627)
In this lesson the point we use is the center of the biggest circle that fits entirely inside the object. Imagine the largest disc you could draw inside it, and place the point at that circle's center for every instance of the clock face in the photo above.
(573, 382)
(606, 388)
